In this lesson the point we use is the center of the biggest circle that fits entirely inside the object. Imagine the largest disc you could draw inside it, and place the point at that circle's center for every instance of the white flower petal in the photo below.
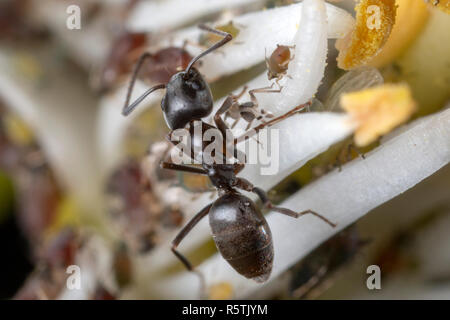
(153, 16)
(260, 32)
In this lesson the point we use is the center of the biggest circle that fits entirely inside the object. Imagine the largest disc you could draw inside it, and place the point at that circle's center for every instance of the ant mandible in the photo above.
(239, 229)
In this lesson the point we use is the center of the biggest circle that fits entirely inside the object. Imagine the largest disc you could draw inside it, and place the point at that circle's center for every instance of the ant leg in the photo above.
(223, 128)
(182, 234)
(248, 186)
(183, 168)
(245, 136)
(268, 204)
(262, 90)
(127, 109)
(226, 38)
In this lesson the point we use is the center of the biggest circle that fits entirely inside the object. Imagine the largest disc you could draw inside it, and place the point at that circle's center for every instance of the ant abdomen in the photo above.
(242, 236)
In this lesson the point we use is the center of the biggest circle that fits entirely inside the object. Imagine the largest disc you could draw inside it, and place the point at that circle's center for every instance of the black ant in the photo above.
(240, 231)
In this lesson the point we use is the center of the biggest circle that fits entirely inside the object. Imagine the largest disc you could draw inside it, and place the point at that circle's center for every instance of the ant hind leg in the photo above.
(268, 204)
(181, 235)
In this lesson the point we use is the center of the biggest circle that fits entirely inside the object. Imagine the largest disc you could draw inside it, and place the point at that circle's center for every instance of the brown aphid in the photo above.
(119, 61)
(277, 63)
(164, 64)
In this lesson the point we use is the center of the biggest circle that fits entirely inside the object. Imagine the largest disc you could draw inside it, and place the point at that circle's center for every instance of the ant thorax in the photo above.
(223, 176)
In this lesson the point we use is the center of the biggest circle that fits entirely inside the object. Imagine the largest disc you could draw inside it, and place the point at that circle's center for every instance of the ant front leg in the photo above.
(182, 234)
(248, 186)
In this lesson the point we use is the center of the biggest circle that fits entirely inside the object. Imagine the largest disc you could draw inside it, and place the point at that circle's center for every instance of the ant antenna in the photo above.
(227, 38)
(127, 109)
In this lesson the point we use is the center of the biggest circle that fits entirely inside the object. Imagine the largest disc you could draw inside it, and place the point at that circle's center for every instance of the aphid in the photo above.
(277, 63)
(158, 67)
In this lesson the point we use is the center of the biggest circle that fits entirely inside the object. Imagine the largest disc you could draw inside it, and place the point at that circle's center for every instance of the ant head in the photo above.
(188, 97)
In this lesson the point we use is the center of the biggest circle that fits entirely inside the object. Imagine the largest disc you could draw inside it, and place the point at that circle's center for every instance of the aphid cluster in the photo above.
(239, 229)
